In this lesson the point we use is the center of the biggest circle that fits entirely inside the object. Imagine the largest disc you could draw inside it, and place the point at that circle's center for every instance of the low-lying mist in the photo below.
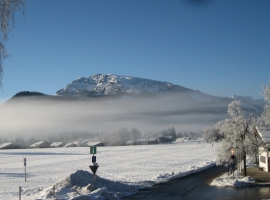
(39, 116)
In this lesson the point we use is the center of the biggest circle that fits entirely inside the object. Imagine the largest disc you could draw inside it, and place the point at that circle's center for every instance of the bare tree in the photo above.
(7, 21)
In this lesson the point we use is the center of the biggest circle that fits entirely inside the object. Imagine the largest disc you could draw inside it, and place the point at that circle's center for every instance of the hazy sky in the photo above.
(219, 47)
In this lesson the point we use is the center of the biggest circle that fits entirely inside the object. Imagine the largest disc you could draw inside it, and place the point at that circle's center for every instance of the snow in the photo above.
(5, 144)
(232, 180)
(107, 84)
(122, 169)
(265, 135)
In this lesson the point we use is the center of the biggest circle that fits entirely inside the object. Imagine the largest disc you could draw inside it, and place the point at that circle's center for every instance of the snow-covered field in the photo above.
(122, 169)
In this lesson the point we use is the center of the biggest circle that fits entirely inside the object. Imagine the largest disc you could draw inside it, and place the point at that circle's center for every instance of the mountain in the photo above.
(109, 84)
(102, 85)
(105, 102)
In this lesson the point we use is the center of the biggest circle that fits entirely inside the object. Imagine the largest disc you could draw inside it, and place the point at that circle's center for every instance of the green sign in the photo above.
(93, 150)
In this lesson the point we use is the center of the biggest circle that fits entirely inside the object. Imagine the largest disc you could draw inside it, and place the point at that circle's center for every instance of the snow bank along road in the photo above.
(137, 166)
(196, 186)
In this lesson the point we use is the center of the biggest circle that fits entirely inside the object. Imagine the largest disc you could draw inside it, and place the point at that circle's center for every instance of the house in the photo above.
(57, 144)
(183, 139)
(81, 143)
(141, 142)
(40, 144)
(153, 141)
(70, 145)
(130, 142)
(264, 157)
(96, 144)
(165, 139)
(9, 145)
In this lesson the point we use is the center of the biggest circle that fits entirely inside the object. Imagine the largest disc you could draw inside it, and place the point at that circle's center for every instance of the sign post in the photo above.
(94, 167)
(93, 150)
(24, 163)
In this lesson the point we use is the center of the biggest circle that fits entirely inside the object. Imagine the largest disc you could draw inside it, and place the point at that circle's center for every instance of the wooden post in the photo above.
(19, 192)
(25, 173)
(54, 191)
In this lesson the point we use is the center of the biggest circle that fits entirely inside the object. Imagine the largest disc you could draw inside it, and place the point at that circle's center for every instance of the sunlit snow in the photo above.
(122, 169)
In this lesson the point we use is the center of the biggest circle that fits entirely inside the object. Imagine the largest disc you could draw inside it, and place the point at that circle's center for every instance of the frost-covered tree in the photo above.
(238, 135)
(265, 117)
(135, 134)
(7, 19)
(124, 135)
(212, 134)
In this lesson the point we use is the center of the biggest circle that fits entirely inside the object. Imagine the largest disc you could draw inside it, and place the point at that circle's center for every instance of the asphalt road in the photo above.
(195, 187)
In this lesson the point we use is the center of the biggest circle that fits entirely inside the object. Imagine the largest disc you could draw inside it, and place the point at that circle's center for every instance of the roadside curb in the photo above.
(258, 184)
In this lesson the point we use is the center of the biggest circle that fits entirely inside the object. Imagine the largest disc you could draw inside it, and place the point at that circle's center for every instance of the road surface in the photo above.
(195, 187)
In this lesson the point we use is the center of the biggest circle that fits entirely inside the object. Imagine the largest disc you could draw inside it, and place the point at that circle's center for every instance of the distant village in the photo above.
(122, 137)
(46, 144)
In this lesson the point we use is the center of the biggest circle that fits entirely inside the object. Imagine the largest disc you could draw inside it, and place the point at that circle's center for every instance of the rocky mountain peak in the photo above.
(110, 84)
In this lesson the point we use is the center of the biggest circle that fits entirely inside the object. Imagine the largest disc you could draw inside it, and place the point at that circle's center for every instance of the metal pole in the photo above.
(94, 181)
(25, 173)
(19, 192)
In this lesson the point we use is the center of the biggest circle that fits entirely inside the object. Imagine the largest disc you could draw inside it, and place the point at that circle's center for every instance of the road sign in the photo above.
(94, 159)
(93, 150)
(24, 161)
(93, 168)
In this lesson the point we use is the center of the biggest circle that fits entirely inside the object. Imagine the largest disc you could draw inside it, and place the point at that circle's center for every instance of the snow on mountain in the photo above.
(109, 84)
(247, 99)
(127, 86)
(249, 102)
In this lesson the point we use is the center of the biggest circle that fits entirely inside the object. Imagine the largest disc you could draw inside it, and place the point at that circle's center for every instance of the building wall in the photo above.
(263, 161)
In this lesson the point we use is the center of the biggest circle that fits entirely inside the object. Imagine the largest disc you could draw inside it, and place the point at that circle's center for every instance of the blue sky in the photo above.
(219, 47)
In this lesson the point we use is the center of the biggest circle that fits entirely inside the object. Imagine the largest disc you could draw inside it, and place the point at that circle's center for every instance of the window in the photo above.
(262, 159)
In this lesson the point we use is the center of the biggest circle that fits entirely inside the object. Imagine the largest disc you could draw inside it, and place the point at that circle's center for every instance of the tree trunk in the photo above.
(245, 166)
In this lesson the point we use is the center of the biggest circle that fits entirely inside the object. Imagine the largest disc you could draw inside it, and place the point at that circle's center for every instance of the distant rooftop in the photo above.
(265, 135)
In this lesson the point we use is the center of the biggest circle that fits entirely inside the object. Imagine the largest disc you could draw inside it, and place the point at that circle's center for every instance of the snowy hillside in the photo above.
(109, 84)
(127, 86)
